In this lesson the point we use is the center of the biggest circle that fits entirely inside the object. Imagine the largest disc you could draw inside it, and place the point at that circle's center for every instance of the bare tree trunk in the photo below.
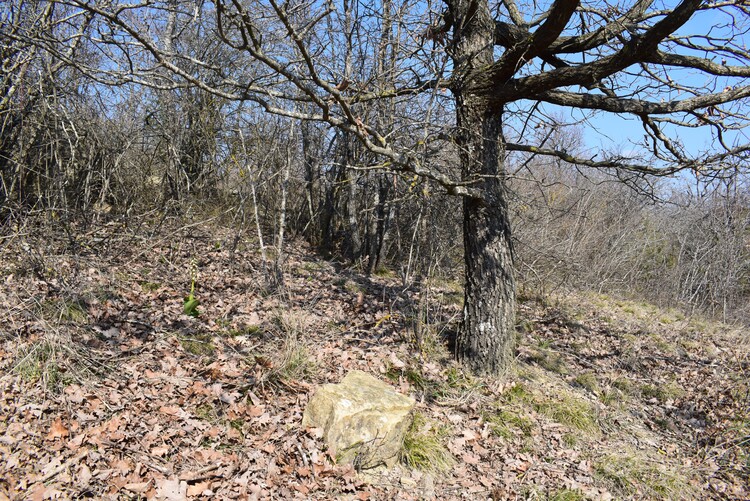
(326, 218)
(384, 226)
(385, 66)
(406, 271)
(328, 210)
(486, 341)
(372, 231)
(355, 243)
(278, 275)
(311, 159)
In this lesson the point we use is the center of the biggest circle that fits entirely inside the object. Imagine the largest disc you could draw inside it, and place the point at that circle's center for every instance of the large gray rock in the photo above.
(363, 419)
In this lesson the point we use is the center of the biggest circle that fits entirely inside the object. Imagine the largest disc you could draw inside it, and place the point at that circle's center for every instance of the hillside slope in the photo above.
(110, 391)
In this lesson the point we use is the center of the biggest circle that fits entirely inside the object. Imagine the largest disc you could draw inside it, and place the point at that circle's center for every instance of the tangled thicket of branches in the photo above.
(687, 248)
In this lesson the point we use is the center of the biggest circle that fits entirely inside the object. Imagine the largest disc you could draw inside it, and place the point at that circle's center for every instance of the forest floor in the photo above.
(109, 391)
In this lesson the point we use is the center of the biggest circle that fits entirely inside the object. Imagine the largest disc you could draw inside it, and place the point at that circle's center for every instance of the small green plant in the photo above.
(651, 391)
(150, 286)
(456, 385)
(445, 283)
(525, 326)
(662, 423)
(740, 427)
(190, 303)
(662, 345)
(628, 308)
(569, 439)
(312, 266)
(564, 408)
(292, 362)
(569, 410)
(423, 447)
(237, 425)
(383, 272)
(392, 373)
(251, 330)
(624, 385)
(576, 346)
(612, 396)
(531, 492)
(36, 361)
(64, 309)
(74, 312)
(296, 363)
(415, 378)
(354, 287)
(517, 393)
(662, 392)
(427, 340)
(549, 360)
(206, 412)
(53, 361)
(246, 330)
(459, 379)
(454, 298)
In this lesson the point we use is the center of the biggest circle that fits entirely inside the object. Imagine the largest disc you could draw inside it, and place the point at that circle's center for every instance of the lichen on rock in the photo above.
(363, 419)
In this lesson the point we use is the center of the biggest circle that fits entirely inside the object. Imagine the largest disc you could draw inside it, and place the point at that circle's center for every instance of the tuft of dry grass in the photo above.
(423, 447)
(291, 359)
(631, 473)
(55, 360)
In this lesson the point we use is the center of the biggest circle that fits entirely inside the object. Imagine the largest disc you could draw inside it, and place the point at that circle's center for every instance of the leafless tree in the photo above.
(33, 82)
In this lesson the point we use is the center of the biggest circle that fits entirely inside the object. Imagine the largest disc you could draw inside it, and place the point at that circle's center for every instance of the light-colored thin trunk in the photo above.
(256, 214)
(278, 275)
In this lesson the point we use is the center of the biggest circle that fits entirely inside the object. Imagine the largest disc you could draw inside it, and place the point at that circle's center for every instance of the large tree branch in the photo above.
(604, 34)
(508, 35)
(699, 63)
(639, 106)
(535, 43)
(514, 13)
(498, 90)
(620, 163)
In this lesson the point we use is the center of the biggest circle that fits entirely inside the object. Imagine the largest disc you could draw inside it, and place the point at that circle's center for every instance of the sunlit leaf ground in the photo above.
(110, 391)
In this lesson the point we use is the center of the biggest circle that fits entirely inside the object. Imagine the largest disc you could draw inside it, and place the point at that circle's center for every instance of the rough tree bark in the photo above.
(486, 341)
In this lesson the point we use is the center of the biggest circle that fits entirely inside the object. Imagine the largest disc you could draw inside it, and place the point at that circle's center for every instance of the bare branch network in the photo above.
(670, 69)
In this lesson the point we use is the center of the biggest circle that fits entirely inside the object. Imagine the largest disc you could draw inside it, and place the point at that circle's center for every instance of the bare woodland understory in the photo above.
(371, 101)
(353, 160)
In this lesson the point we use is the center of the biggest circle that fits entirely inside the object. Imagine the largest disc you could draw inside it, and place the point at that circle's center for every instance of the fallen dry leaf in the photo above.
(138, 487)
(57, 430)
(171, 490)
(198, 488)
